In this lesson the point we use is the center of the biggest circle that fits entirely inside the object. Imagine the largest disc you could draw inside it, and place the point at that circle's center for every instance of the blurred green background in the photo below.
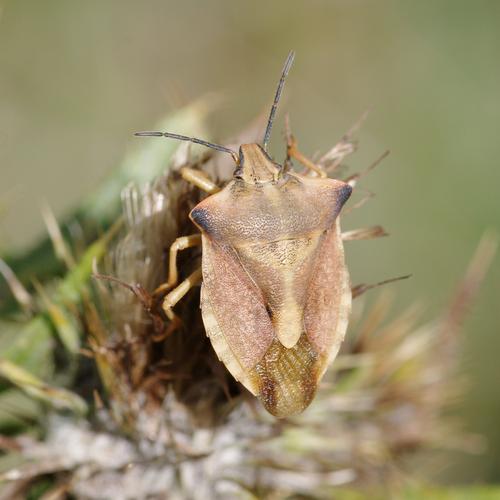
(77, 78)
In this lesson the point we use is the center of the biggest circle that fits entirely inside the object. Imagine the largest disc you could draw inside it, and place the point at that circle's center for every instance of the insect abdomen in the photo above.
(287, 378)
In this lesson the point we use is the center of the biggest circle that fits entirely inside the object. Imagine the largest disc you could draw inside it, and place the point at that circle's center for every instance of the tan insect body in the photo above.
(276, 294)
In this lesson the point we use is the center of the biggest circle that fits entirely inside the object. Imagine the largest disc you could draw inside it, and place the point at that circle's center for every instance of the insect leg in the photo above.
(181, 243)
(178, 292)
(199, 179)
(292, 151)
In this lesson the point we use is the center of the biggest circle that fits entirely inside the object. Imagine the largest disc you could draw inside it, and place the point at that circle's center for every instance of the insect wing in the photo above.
(328, 306)
(234, 312)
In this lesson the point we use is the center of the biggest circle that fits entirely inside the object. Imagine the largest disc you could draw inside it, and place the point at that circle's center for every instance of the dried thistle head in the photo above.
(170, 419)
(381, 400)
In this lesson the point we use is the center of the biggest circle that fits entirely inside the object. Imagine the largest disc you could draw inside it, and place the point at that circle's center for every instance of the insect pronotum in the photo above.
(275, 296)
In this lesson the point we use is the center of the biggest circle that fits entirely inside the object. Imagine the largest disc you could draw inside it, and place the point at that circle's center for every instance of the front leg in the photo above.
(175, 296)
(199, 179)
(292, 151)
(181, 243)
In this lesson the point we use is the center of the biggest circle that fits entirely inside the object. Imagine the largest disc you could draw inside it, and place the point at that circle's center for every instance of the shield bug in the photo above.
(275, 296)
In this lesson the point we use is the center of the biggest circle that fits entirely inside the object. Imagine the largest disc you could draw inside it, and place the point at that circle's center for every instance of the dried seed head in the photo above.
(188, 432)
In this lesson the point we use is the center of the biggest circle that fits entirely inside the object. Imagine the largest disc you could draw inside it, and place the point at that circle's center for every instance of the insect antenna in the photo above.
(286, 69)
(179, 137)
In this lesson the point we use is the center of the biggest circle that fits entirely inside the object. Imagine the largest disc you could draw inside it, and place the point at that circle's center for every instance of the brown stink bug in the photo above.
(276, 293)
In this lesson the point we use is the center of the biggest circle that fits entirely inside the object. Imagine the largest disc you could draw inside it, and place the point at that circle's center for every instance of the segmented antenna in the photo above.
(179, 137)
(286, 69)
